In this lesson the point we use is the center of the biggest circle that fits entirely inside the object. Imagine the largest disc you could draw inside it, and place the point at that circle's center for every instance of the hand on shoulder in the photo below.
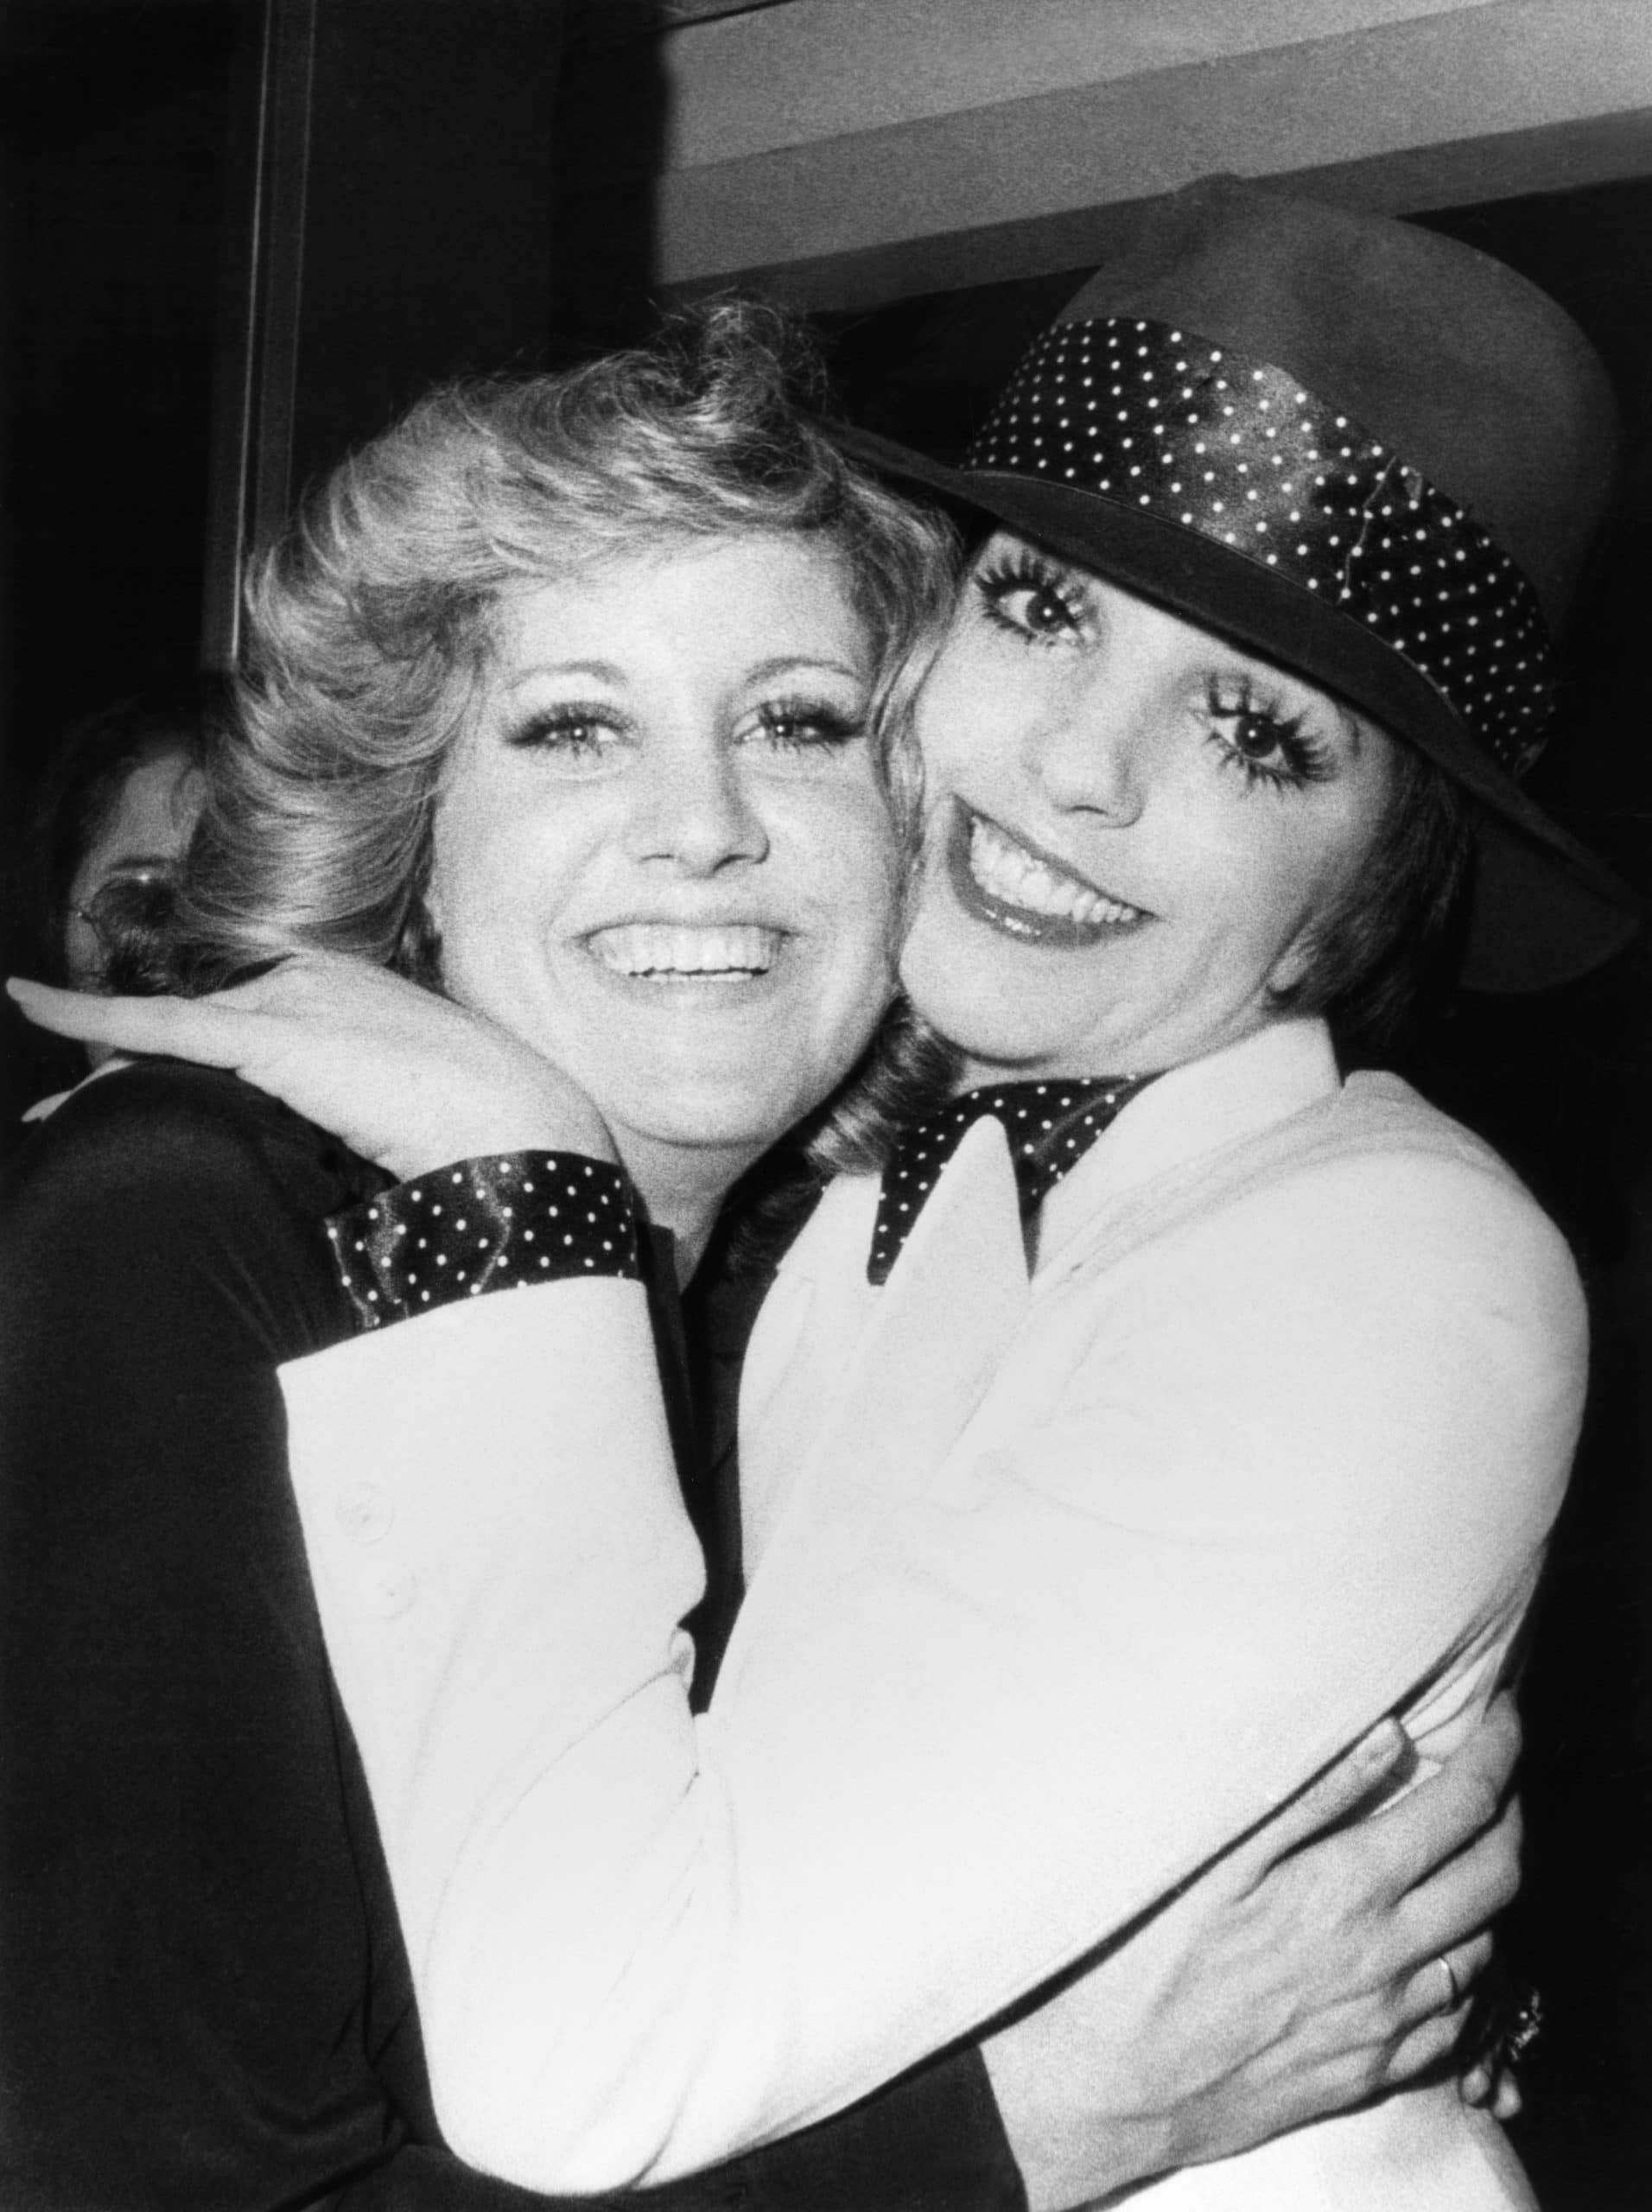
(405, 1077)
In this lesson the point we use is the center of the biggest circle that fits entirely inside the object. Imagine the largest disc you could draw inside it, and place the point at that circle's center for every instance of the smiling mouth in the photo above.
(662, 952)
(1026, 895)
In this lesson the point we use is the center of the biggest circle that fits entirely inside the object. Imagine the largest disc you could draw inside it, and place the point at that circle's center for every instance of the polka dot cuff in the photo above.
(1166, 422)
(486, 1224)
(1050, 1126)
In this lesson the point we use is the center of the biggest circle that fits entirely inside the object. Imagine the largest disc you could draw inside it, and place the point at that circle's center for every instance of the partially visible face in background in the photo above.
(140, 839)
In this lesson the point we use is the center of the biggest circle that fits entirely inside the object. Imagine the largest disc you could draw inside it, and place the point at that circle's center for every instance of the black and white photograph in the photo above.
(825, 1224)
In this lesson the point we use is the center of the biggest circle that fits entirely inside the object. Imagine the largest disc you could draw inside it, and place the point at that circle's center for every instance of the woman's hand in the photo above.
(1302, 1975)
(405, 1076)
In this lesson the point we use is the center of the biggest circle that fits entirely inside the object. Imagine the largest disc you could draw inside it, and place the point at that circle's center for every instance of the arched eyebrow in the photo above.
(599, 672)
(764, 671)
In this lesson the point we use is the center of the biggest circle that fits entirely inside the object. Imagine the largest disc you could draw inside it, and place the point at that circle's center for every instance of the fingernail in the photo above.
(1383, 1747)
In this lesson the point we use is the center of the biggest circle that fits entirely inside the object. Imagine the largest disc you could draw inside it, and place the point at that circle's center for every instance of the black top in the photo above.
(205, 1998)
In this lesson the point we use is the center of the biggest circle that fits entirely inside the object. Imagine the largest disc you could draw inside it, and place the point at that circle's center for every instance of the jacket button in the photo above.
(365, 1512)
(386, 1588)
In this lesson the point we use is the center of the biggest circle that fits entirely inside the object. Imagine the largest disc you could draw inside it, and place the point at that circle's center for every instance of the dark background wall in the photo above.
(126, 125)
(116, 117)
(242, 237)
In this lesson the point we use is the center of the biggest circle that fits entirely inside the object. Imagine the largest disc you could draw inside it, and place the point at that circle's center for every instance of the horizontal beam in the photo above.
(1470, 104)
(810, 70)
(1418, 181)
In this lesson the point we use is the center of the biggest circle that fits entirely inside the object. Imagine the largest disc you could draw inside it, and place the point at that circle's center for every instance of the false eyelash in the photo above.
(1025, 569)
(829, 725)
(555, 725)
(1304, 760)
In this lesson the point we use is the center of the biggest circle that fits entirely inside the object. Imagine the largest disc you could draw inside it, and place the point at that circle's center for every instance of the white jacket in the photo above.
(1059, 1587)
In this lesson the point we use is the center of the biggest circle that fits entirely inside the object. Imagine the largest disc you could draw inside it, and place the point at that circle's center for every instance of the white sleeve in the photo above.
(1096, 1624)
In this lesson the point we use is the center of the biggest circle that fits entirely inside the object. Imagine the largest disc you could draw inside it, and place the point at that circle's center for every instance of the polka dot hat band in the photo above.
(1164, 421)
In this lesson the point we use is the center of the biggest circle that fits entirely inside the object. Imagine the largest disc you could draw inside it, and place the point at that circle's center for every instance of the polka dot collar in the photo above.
(1192, 434)
(1050, 1126)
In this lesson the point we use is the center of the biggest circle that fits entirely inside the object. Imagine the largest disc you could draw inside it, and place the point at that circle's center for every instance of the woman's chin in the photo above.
(999, 1025)
(705, 1117)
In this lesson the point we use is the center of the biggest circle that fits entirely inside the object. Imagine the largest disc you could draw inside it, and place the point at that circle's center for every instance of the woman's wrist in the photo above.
(1072, 2149)
(457, 1117)
(499, 1222)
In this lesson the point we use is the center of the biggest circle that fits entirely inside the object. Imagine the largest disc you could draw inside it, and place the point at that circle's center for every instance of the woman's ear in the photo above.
(1292, 967)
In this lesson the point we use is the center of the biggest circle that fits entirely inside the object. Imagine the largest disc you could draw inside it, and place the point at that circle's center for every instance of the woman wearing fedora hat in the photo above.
(1168, 1407)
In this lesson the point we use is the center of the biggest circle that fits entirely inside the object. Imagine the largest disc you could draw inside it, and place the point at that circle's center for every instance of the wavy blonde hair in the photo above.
(371, 623)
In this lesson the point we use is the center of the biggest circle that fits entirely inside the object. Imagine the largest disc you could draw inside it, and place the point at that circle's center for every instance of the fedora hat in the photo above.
(1369, 454)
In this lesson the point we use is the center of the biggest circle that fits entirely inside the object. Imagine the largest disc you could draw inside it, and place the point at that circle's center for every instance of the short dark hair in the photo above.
(1374, 957)
(82, 786)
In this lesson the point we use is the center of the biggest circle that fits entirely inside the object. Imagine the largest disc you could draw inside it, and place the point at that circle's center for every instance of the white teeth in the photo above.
(668, 949)
(1007, 871)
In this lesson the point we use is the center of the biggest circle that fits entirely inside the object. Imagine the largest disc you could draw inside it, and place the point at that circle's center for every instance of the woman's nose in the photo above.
(1088, 753)
(694, 811)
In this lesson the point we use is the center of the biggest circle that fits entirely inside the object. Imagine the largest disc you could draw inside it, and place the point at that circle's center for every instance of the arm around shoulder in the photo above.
(1146, 1591)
